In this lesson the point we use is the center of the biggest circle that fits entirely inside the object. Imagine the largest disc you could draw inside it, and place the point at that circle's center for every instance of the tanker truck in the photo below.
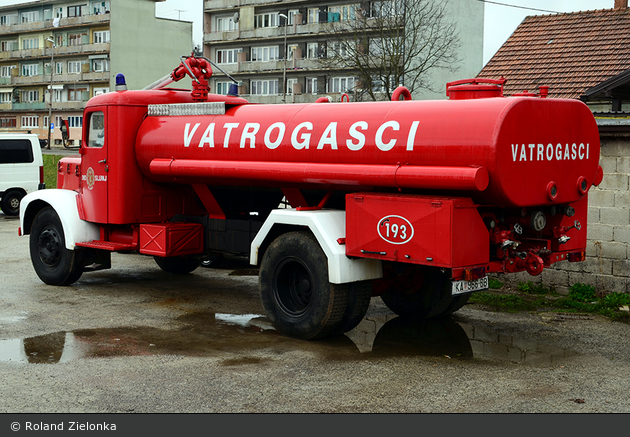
(417, 202)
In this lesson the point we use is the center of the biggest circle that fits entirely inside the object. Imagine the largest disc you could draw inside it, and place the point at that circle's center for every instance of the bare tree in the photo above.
(387, 43)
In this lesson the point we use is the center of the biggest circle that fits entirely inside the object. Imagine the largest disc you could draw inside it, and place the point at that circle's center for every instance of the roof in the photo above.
(571, 52)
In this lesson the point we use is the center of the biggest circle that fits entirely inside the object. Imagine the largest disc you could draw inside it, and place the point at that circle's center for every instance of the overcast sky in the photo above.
(502, 17)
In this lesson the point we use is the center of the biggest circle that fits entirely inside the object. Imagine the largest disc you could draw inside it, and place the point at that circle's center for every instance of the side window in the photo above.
(15, 151)
(96, 130)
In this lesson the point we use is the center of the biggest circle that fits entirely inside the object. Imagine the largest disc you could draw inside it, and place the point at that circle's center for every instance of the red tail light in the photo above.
(41, 174)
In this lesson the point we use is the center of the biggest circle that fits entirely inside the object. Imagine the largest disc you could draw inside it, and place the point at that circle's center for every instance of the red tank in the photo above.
(517, 151)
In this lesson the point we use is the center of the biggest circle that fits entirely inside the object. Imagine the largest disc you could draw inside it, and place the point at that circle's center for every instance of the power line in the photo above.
(519, 7)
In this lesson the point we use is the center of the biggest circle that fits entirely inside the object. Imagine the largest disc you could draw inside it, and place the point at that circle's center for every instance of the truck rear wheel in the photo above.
(359, 296)
(53, 263)
(295, 291)
(11, 202)
(179, 265)
(419, 292)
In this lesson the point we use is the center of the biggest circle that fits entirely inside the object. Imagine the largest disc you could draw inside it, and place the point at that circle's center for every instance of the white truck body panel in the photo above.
(64, 202)
(328, 226)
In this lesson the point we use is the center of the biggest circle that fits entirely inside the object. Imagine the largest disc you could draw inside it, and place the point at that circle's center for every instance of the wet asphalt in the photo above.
(134, 339)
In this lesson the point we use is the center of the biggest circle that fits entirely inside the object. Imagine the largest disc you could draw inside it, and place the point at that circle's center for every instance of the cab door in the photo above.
(94, 165)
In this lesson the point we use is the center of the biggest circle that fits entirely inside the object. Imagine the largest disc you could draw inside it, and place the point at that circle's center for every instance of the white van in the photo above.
(21, 169)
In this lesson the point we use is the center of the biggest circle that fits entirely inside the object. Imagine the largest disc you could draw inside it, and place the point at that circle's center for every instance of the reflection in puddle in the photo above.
(209, 334)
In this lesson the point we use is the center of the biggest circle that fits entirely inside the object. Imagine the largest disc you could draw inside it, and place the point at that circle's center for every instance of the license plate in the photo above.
(461, 287)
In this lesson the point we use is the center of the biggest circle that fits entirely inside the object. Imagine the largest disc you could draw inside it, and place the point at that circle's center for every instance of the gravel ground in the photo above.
(134, 339)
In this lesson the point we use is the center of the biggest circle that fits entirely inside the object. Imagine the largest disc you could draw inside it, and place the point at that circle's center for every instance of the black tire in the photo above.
(420, 292)
(179, 265)
(212, 261)
(53, 263)
(456, 304)
(294, 289)
(11, 202)
(359, 296)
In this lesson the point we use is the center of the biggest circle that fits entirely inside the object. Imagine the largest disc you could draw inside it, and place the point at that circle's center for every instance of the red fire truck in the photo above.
(413, 201)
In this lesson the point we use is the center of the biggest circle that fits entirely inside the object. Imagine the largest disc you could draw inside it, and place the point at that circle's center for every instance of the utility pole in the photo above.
(286, 54)
(52, 71)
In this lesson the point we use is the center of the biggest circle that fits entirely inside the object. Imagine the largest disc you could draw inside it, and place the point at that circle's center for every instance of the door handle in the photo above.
(103, 161)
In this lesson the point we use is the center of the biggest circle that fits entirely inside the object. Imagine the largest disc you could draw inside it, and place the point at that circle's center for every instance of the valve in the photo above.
(560, 231)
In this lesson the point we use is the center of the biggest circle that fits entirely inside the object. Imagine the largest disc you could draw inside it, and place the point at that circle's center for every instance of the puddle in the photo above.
(209, 334)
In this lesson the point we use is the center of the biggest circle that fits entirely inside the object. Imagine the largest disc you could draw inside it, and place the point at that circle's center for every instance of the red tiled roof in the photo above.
(569, 52)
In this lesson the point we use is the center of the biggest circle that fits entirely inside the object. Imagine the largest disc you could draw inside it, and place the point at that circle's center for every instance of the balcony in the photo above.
(214, 5)
(29, 106)
(81, 49)
(68, 106)
(44, 79)
(38, 26)
(232, 35)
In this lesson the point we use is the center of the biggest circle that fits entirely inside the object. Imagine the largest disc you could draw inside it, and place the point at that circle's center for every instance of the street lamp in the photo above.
(52, 70)
(284, 72)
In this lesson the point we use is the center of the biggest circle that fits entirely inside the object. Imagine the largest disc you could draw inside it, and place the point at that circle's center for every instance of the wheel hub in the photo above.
(49, 247)
(293, 288)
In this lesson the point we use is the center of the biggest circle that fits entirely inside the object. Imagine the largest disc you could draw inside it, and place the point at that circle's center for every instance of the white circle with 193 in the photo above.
(395, 229)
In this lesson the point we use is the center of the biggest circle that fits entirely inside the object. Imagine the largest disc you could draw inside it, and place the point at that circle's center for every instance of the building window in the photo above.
(339, 49)
(75, 39)
(31, 43)
(74, 11)
(100, 7)
(265, 53)
(5, 97)
(226, 24)
(58, 67)
(313, 15)
(76, 94)
(312, 50)
(59, 40)
(341, 85)
(311, 85)
(7, 46)
(100, 65)
(5, 71)
(75, 121)
(8, 121)
(99, 91)
(292, 13)
(291, 49)
(5, 20)
(387, 8)
(74, 67)
(264, 87)
(342, 13)
(30, 121)
(290, 83)
(30, 70)
(223, 87)
(30, 96)
(29, 17)
(266, 20)
(228, 56)
(101, 37)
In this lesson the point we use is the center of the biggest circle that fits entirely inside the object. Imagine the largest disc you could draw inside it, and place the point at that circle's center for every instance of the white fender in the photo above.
(328, 226)
(64, 202)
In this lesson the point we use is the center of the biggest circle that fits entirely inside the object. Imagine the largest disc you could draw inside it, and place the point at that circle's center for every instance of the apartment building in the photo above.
(263, 43)
(57, 54)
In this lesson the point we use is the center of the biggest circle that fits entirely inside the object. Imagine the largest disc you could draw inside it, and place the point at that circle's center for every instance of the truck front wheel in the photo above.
(53, 263)
(295, 291)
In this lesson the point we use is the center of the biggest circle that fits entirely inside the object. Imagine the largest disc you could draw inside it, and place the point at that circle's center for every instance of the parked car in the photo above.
(21, 169)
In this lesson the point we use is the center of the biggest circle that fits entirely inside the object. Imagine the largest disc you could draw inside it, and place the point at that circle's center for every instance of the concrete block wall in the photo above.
(607, 266)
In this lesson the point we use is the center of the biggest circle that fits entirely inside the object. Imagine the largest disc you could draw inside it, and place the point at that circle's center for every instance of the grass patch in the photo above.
(50, 170)
(582, 298)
